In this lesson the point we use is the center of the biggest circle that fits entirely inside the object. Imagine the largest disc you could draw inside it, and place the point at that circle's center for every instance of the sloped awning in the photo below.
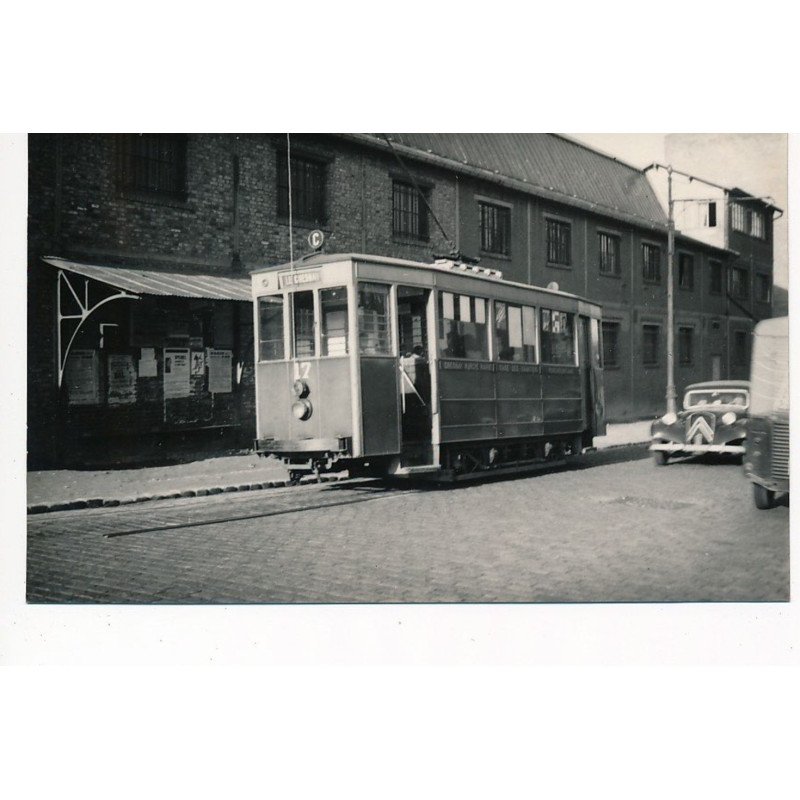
(164, 284)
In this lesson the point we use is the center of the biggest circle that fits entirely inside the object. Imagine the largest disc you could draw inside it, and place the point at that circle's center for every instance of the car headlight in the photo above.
(669, 418)
(728, 418)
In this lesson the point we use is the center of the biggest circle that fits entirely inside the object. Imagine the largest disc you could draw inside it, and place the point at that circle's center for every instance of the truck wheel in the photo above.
(661, 458)
(763, 497)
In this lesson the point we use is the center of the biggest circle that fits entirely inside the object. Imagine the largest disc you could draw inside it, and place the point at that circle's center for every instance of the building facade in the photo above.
(139, 327)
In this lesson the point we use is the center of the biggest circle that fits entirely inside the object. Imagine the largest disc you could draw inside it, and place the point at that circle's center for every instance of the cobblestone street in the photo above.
(620, 532)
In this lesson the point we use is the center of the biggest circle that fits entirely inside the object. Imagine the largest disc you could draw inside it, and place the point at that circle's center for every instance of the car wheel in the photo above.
(763, 497)
(660, 457)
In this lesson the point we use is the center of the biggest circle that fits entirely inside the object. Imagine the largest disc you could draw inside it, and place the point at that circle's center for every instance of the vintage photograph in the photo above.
(405, 368)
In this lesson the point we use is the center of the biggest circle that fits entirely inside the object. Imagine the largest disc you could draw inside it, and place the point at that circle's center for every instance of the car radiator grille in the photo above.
(780, 450)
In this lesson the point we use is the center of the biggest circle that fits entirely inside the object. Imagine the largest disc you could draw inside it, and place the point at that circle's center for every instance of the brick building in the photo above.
(145, 241)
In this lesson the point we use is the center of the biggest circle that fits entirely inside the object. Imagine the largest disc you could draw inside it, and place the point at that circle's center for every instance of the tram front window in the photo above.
(270, 337)
(373, 319)
(303, 312)
(463, 332)
(333, 308)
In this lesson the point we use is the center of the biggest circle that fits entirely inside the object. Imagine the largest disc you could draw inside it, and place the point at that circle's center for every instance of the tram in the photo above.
(382, 366)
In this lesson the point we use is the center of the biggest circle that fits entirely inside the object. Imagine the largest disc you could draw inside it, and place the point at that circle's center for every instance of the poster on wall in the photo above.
(198, 363)
(82, 378)
(148, 366)
(121, 379)
(176, 372)
(219, 371)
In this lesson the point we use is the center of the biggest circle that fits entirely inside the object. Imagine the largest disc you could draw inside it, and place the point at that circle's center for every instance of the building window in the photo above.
(559, 242)
(650, 336)
(409, 212)
(739, 284)
(740, 348)
(685, 337)
(609, 254)
(757, 224)
(611, 344)
(763, 288)
(154, 163)
(715, 276)
(686, 271)
(709, 212)
(515, 332)
(651, 262)
(308, 189)
(739, 218)
(495, 229)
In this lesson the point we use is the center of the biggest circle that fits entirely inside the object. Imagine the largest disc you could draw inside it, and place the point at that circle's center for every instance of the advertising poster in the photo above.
(82, 378)
(148, 366)
(198, 363)
(176, 372)
(219, 371)
(121, 379)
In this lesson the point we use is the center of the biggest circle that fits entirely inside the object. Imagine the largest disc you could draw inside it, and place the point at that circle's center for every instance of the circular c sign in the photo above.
(316, 239)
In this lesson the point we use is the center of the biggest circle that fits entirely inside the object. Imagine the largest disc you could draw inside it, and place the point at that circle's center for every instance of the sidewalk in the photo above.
(59, 490)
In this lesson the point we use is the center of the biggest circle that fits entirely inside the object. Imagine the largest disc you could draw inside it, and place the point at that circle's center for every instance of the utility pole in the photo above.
(671, 395)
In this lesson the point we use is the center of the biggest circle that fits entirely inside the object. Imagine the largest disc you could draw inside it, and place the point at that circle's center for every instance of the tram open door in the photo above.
(415, 376)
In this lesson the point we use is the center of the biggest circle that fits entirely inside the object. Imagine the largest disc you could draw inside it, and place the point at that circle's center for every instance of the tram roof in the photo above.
(329, 258)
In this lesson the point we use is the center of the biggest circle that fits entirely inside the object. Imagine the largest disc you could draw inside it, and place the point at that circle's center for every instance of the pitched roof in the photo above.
(546, 164)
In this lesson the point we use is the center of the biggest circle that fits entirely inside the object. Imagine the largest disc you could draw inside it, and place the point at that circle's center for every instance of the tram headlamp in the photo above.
(728, 418)
(670, 418)
(301, 388)
(302, 409)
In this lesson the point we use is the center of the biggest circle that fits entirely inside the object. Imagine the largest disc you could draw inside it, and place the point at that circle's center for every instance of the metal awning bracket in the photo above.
(84, 311)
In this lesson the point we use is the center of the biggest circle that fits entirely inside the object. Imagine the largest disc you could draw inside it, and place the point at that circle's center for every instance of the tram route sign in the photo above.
(299, 278)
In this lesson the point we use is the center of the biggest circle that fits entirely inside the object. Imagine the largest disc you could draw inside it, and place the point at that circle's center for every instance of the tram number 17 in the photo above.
(301, 369)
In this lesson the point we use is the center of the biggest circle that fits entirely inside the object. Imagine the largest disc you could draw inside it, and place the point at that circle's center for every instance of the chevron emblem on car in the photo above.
(702, 429)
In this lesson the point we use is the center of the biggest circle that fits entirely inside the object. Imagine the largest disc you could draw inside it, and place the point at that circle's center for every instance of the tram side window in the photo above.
(303, 310)
(333, 308)
(557, 337)
(515, 332)
(463, 329)
(270, 337)
(373, 320)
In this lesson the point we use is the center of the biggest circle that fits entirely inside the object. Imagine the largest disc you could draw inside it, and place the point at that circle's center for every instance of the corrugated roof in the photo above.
(165, 284)
(551, 163)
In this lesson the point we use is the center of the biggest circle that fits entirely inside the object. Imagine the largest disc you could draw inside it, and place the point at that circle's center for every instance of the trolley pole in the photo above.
(671, 396)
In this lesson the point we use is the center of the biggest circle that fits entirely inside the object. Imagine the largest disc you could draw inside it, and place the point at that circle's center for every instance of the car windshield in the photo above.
(702, 398)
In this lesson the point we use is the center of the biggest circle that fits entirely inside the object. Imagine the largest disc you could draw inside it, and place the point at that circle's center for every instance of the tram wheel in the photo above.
(660, 457)
(294, 477)
(764, 498)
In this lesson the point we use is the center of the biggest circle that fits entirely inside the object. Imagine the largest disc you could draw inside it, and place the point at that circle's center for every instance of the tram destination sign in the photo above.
(299, 278)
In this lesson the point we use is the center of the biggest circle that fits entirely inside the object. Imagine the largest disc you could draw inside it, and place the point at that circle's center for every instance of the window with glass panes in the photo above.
(559, 242)
(409, 212)
(650, 336)
(515, 332)
(374, 333)
(495, 228)
(556, 337)
(270, 322)
(740, 348)
(686, 271)
(463, 328)
(308, 188)
(739, 217)
(756, 224)
(739, 283)
(333, 328)
(608, 246)
(154, 163)
(685, 341)
(763, 288)
(303, 324)
(651, 262)
(611, 344)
